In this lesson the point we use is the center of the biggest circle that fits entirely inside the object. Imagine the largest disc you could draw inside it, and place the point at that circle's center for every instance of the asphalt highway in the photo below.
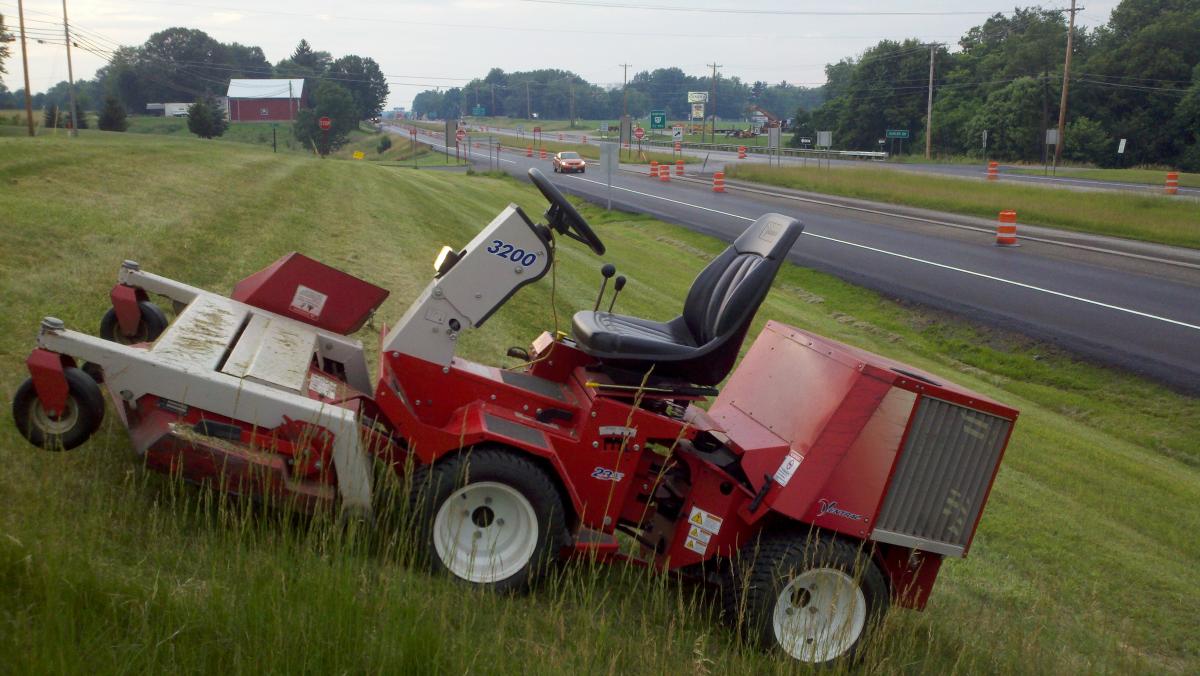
(717, 159)
(1135, 311)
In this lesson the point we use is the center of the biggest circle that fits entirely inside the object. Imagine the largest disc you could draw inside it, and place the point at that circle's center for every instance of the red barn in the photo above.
(265, 100)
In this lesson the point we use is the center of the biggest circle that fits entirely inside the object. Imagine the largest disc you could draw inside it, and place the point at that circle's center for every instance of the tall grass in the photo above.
(1084, 561)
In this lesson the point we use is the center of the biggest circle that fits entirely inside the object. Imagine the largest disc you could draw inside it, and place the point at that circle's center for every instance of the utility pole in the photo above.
(493, 109)
(625, 90)
(929, 104)
(70, 74)
(528, 107)
(714, 66)
(25, 64)
(1062, 106)
(571, 86)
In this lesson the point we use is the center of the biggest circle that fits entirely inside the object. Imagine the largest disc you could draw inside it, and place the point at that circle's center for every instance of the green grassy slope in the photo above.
(1084, 562)
(1149, 217)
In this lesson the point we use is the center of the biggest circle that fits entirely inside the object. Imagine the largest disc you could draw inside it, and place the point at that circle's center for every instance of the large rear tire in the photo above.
(489, 517)
(818, 600)
(80, 418)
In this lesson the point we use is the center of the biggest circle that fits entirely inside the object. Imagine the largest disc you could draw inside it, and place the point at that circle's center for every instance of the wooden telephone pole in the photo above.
(929, 104)
(71, 75)
(1062, 105)
(714, 66)
(25, 64)
(625, 90)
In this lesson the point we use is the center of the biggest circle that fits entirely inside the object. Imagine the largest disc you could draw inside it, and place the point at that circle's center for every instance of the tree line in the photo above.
(1137, 77)
(560, 94)
(188, 65)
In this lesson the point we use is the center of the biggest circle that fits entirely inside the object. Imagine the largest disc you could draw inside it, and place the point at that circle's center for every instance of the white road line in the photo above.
(914, 259)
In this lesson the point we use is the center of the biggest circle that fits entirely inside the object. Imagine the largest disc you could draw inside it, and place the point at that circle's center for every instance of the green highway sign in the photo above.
(479, 111)
(658, 119)
(897, 133)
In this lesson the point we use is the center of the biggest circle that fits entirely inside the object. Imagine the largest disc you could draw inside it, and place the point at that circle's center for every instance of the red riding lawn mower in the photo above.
(822, 484)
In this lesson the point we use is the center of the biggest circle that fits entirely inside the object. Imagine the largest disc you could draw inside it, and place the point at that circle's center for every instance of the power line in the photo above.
(742, 10)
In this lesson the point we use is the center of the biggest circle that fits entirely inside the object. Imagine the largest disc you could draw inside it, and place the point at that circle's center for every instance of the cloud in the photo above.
(226, 17)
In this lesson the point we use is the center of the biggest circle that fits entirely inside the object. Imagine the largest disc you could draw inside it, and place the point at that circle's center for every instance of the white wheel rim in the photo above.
(819, 615)
(54, 427)
(485, 532)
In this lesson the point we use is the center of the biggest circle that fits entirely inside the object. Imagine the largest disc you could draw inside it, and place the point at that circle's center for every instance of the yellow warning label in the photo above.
(705, 520)
(695, 545)
(699, 534)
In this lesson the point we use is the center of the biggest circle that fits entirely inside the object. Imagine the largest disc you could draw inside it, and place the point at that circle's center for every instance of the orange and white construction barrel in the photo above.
(1006, 229)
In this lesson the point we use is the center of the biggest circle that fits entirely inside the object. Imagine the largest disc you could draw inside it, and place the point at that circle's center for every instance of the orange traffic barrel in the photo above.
(741, 152)
(1006, 229)
(585, 138)
(542, 154)
(560, 137)
(664, 173)
(528, 151)
(993, 171)
(679, 167)
(653, 168)
(719, 181)
(678, 146)
(1173, 183)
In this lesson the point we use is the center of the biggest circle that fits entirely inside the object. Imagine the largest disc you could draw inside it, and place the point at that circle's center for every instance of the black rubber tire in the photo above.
(85, 410)
(433, 485)
(151, 325)
(754, 582)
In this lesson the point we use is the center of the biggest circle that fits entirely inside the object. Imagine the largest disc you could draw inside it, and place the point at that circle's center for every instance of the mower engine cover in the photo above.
(299, 287)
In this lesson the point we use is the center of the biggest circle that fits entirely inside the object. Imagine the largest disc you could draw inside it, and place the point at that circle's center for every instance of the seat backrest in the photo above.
(725, 295)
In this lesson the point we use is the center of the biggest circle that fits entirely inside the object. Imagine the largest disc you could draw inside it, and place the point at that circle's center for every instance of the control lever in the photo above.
(607, 271)
(618, 284)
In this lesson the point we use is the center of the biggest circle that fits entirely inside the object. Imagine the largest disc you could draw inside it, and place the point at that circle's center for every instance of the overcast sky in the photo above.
(420, 45)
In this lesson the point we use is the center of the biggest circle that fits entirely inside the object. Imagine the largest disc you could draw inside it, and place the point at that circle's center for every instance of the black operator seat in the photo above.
(701, 345)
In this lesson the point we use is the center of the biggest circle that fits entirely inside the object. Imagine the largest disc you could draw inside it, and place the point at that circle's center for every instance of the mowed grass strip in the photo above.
(1084, 562)
(1147, 217)
(1147, 176)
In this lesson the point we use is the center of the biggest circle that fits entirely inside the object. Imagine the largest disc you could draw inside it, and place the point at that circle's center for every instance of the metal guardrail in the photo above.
(877, 156)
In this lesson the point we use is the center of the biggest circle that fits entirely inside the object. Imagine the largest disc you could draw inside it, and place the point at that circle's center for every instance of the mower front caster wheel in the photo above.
(80, 417)
(151, 324)
(489, 517)
(816, 598)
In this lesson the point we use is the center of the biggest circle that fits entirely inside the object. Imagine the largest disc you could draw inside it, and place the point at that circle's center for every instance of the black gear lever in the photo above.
(618, 284)
(607, 271)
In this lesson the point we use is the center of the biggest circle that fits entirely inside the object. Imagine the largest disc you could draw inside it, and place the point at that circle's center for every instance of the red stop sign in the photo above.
(460, 135)
(639, 133)
(326, 123)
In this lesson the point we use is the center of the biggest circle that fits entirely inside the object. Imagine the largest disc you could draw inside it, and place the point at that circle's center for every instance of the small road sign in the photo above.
(639, 133)
(325, 123)
(479, 111)
(677, 133)
(825, 139)
(537, 130)
(1121, 147)
(897, 133)
(697, 97)
(460, 135)
(658, 119)
(604, 127)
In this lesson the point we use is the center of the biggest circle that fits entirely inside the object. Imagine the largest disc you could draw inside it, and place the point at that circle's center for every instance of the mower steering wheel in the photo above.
(563, 217)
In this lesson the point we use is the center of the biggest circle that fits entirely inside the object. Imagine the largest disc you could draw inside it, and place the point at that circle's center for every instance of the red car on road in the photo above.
(568, 161)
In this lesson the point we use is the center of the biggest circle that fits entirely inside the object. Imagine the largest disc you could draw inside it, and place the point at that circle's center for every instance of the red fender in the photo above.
(46, 369)
(125, 303)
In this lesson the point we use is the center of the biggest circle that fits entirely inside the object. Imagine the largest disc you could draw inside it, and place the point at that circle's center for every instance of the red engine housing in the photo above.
(299, 287)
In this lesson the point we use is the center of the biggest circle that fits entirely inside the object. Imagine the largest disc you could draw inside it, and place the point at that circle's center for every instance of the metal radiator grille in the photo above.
(941, 477)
